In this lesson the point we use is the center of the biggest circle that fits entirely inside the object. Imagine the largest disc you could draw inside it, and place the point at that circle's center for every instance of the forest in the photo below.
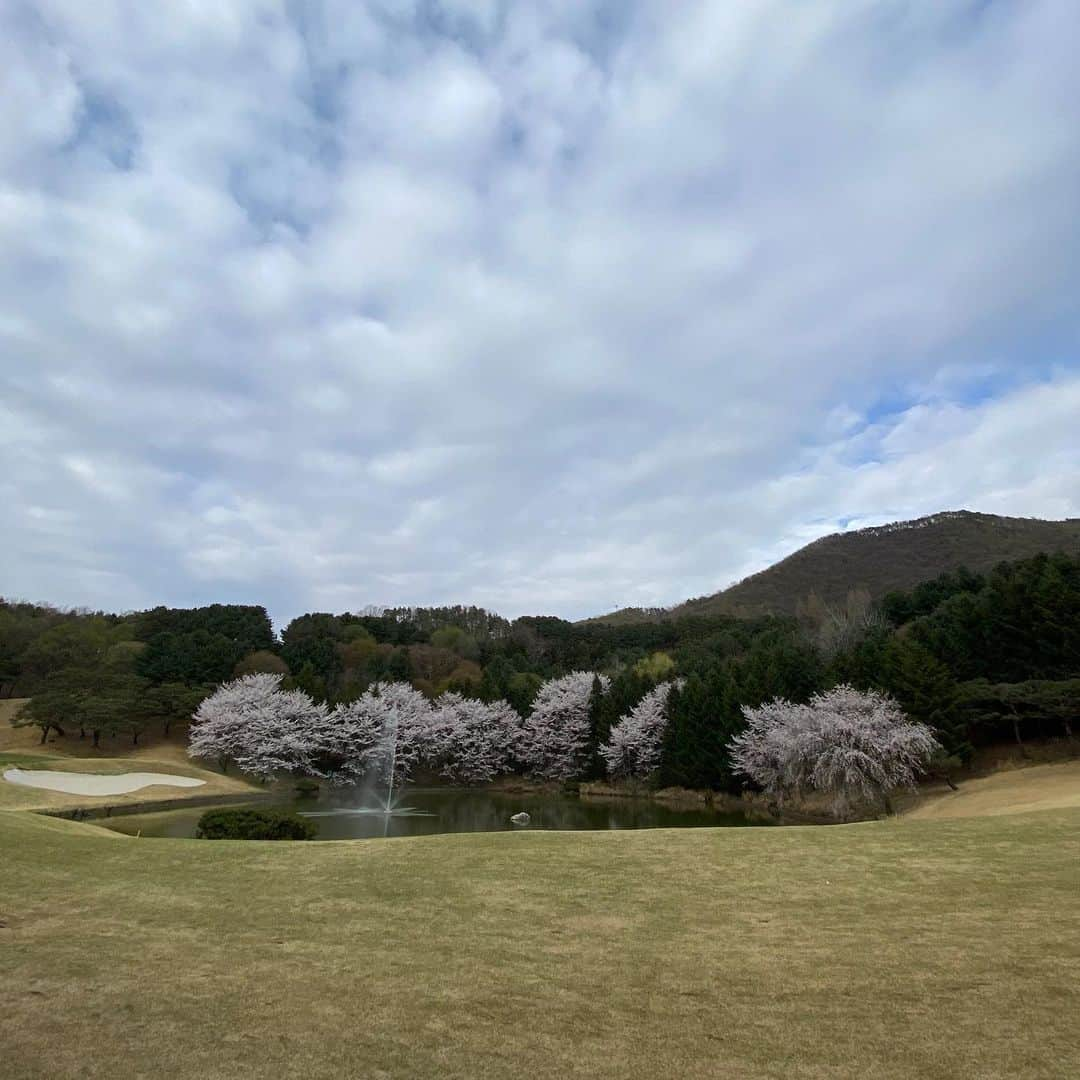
(979, 658)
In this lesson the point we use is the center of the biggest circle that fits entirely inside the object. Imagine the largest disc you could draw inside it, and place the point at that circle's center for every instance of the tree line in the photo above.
(845, 743)
(977, 657)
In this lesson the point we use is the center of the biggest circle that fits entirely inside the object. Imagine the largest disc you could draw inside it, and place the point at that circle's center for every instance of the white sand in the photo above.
(89, 784)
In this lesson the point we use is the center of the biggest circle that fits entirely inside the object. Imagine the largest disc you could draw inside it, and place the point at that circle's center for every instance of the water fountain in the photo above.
(387, 808)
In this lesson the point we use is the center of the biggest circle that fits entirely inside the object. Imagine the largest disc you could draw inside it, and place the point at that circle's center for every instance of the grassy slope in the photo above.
(1013, 791)
(14, 796)
(898, 949)
(21, 748)
(8, 708)
(27, 740)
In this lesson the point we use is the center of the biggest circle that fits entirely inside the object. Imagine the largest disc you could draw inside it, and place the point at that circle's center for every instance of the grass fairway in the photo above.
(897, 949)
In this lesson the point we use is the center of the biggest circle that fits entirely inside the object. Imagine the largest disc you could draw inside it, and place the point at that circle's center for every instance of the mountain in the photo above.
(878, 559)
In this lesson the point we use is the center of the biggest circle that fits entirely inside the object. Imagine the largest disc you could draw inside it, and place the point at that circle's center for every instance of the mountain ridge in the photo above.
(878, 558)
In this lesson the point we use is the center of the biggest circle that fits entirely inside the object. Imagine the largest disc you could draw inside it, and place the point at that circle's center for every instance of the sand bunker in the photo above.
(89, 784)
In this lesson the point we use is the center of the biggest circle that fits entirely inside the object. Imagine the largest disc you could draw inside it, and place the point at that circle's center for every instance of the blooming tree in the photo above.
(555, 737)
(252, 722)
(358, 739)
(472, 741)
(263, 729)
(633, 749)
(843, 742)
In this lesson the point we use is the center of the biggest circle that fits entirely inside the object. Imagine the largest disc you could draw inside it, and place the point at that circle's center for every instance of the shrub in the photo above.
(250, 824)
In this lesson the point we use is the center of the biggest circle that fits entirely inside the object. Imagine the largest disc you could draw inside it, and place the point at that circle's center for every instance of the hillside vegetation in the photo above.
(878, 560)
(977, 657)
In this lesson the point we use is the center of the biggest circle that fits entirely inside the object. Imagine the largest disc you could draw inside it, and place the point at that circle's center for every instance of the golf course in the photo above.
(934, 944)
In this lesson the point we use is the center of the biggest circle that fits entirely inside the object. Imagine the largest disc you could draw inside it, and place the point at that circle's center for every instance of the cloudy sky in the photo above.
(545, 305)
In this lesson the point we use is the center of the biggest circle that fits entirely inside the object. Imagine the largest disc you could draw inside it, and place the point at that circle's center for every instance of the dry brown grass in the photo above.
(883, 950)
(28, 740)
(17, 797)
(1013, 791)
(10, 736)
(945, 943)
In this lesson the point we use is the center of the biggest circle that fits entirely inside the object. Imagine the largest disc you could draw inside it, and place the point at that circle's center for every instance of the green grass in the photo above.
(27, 761)
(894, 949)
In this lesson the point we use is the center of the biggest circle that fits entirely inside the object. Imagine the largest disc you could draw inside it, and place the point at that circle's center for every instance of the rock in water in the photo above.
(521, 819)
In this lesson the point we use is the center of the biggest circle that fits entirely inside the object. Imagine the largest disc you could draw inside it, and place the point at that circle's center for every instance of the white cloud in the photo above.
(546, 306)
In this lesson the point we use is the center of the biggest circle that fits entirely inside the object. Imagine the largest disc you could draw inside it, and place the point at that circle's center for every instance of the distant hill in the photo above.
(878, 559)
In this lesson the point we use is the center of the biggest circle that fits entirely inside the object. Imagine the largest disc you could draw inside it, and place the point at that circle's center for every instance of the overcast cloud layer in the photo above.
(546, 306)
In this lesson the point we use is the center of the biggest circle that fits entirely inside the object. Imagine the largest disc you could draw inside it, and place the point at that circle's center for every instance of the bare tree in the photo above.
(834, 628)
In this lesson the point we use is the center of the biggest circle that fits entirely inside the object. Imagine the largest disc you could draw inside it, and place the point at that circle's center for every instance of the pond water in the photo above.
(451, 810)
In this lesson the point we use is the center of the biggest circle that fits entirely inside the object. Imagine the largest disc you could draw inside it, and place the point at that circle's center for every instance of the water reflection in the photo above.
(453, 810)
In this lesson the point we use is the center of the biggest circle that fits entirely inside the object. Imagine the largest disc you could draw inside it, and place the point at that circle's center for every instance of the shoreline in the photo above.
(150, 806)
(753, 807)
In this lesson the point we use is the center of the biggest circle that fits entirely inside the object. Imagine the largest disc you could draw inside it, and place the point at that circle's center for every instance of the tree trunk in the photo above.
(134, 738)
(165, 728)
(45, 733)
(1016, 732)
(949, 781)
(97, 737)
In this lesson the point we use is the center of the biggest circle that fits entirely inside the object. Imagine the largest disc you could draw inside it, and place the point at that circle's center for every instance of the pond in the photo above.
(451, 810)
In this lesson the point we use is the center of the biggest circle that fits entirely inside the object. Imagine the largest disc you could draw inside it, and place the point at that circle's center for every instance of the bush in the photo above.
(253, 825)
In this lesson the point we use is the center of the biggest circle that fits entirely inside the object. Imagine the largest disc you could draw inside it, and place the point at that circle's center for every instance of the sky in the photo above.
(550, 306)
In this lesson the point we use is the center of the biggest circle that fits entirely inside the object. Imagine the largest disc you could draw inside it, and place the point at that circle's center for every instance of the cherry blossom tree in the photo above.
(555, 737)
(843, 742)
(258, 726)
(633, 749)
(357, 740)
(219, 725)
(472, 741)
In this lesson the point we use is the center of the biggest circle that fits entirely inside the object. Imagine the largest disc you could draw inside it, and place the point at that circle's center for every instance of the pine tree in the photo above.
(673, 747)
(496, 681)
(599, 731)
(928, 693)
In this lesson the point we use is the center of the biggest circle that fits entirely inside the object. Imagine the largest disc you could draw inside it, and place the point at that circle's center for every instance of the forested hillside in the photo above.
(977, 657)
(878, 560)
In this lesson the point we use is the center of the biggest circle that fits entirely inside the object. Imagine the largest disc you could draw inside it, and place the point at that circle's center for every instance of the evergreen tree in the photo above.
(495, 684)
(599, 731)
(675, 750)
(310, 681)
(400, 667)
(521, 690)
(928, 693)
(693, 751)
